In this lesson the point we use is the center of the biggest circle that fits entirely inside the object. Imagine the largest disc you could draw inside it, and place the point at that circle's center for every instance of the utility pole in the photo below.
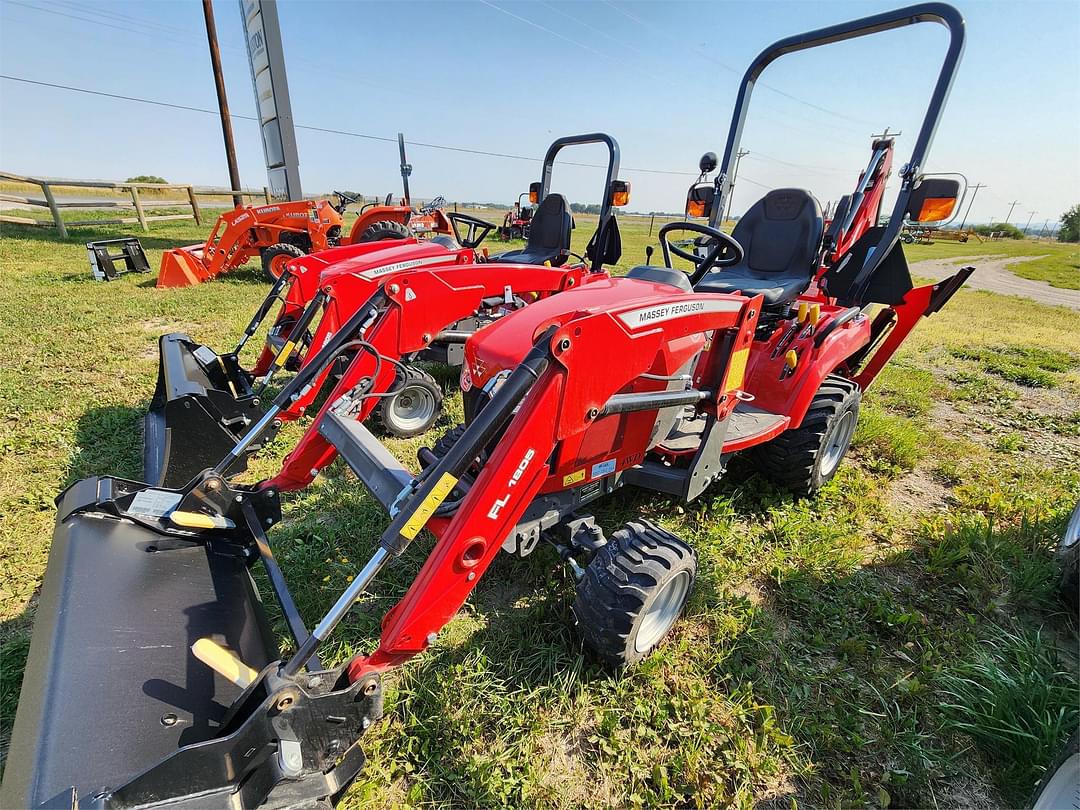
(974, 190)
(223, 102)
(1031, 214)
(1042, 232)
(1012, 205)
(735, 173)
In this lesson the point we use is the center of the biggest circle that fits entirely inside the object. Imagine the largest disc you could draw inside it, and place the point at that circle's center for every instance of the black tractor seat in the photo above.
(549, 235)
(781, 236)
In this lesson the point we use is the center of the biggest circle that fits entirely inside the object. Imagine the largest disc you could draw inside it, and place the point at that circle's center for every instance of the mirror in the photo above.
(934, 200)
(699, 199)
(620, 193)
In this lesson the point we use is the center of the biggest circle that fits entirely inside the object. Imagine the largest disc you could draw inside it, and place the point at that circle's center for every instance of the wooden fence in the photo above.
(48, 200)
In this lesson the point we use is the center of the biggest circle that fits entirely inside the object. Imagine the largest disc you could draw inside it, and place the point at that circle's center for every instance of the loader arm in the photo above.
(419, 306)
(587, 362)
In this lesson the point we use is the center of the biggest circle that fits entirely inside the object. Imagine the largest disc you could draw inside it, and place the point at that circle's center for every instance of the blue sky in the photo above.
(510, 76)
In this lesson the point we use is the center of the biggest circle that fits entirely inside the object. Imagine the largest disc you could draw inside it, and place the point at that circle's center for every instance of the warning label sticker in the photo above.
(154, 502)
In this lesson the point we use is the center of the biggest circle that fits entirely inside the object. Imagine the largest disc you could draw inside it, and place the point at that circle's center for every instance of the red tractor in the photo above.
(205, 402)
(518, 219)
(653, 380)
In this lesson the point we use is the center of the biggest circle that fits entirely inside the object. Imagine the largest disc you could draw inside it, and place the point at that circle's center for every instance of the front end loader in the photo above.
(152, 680)
(204, 402)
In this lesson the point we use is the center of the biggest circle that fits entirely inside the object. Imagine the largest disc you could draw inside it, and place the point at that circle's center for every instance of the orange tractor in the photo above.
(280, 232)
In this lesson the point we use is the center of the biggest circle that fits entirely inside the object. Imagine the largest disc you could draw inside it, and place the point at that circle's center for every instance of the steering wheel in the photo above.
(721, 242)
(476, 229)
(433, 205)
(345, 198)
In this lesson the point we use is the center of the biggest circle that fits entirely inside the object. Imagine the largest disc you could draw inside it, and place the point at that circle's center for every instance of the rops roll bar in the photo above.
(940, 13)
(612, 174)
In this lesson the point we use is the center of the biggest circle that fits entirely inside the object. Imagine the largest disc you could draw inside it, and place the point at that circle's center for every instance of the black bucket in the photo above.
(111, 686)
(117, 711)
(202, 405)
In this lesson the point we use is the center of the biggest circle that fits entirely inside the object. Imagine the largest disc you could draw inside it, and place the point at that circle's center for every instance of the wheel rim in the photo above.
(663, 612)
(277, 265)
(412, 408)
(838, 442)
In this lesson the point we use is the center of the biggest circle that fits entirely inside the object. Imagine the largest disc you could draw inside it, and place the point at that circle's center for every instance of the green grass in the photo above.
(825, 651)
(1061, 268)
(1058, 263)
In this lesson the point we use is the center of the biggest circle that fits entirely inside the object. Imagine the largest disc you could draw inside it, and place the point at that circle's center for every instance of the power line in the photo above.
(349, 133)
(738, 72)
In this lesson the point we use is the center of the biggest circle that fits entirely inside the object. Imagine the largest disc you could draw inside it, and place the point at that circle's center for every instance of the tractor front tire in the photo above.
(805, 459)
(414, 406)
(632, 592)
(275, 257)
(386, 229)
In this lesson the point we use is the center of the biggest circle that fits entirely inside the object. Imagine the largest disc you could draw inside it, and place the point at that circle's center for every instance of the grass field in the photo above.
(1058, 263)
(895, 641)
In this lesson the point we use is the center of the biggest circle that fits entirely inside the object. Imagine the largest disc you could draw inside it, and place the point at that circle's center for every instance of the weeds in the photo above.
(1018, 703)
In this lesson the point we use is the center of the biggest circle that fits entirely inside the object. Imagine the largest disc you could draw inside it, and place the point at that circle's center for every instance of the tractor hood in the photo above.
(376, 259)
(502, 345)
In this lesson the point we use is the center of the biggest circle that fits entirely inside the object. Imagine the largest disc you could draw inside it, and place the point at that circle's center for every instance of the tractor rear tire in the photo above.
(386, 229)
(415, 405)
(632, 592)
(805, 459)
(275, 257)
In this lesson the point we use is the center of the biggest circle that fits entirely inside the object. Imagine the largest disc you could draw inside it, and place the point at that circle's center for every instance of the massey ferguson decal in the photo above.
(646, 316)
(493, 512)
(375, 272)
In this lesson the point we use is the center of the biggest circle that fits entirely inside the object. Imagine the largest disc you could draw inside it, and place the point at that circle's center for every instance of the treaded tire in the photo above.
(1059, 786)
(1068, 558)
(385, 229)
(275, 257)
(641, 565)
(805, 459)
(414, 407)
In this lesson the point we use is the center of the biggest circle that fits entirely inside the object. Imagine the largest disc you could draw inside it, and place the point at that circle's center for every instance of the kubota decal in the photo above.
(493, 512)
(646, 316)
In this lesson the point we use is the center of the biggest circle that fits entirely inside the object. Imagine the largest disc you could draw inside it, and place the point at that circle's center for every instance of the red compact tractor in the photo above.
(205, 402)
(518, 219)
(150, 638)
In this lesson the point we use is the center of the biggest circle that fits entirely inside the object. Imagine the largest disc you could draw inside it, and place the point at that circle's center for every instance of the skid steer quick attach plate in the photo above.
(110, 686)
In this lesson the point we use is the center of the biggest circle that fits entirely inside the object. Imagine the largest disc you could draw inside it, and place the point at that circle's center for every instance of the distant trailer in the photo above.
(914, 234)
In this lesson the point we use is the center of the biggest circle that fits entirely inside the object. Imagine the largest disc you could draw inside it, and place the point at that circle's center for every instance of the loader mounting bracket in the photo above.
(286, 745)
(208, 494)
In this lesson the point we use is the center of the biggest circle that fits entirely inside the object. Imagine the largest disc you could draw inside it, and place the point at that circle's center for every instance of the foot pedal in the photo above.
(103, 263)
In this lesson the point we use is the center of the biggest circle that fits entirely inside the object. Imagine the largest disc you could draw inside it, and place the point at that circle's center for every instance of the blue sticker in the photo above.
(603, 468)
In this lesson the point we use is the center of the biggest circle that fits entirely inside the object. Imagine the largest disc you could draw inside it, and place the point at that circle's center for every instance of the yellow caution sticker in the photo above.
(428, 506)
(573, 478)
(737, 368)
(283, 355)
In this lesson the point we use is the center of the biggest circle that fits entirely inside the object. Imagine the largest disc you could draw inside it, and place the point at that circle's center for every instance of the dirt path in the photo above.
(990, 274)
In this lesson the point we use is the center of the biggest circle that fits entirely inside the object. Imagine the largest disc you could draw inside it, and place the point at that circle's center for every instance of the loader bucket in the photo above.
(202, 405)
(110, 686)
(118, 711)
(182, 267)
